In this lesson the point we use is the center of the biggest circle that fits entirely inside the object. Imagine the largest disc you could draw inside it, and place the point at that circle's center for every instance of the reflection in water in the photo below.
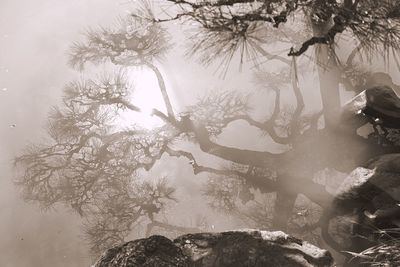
(109, 130)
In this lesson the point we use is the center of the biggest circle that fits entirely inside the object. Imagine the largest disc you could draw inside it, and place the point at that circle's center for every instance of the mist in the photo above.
(36, 39)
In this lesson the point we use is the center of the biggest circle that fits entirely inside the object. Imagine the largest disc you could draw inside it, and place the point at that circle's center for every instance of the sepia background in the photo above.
(34, 41)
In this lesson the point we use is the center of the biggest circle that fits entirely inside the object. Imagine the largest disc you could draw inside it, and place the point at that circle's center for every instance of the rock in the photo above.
(379, 103)
(380, 176)
(367, 200)
(155, 251)
(382, 79)
(234, 248)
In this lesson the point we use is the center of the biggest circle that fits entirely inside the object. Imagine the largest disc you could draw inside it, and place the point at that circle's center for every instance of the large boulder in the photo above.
(366, 186)
(234, 248)
(366, 200)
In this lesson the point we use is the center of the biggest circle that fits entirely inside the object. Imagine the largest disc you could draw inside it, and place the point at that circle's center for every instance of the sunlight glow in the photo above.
(146, 96)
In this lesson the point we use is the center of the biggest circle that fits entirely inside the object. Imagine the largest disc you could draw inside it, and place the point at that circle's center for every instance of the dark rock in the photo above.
(155, 251)
(382, 79)
(366, 201)
(234, 248)
(379, 104)
(380, 176)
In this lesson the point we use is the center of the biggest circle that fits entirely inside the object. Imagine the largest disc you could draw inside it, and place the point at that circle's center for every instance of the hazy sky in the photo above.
(34, 38)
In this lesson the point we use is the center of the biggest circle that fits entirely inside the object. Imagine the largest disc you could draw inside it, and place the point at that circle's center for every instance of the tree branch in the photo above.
(340, 23)
(163, 90)
(242, 156)
(269, 125)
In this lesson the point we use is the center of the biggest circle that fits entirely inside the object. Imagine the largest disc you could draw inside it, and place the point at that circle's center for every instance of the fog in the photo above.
(35, 39)
(35, 36)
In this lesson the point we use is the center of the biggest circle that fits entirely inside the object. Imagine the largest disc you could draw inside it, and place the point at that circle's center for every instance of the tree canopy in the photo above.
(93, 165)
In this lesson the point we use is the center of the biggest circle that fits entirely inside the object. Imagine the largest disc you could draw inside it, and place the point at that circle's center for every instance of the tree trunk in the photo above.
(328, 78)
